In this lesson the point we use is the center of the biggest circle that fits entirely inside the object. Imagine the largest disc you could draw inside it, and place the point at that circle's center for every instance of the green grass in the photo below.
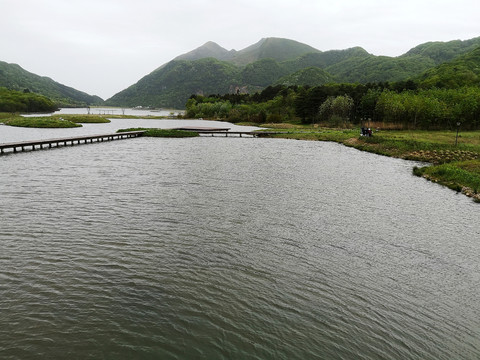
(84, 119)
(460, 176)
(54, 121)
(5, 115)
(39, 122)
(163, 132)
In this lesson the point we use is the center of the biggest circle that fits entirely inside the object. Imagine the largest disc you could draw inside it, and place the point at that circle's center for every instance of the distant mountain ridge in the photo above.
(250, 69)
(212, 69)
(14, 77)
(209, 49)
(441, 52)
(463, 70)
(274, 48)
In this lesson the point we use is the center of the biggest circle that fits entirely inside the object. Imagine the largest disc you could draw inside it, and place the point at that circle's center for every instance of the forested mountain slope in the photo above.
(462, 71)
(211, 69)
(14, 77)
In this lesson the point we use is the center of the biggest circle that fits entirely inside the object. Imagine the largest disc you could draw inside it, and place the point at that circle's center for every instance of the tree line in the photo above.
(13, 101)
(401, 105)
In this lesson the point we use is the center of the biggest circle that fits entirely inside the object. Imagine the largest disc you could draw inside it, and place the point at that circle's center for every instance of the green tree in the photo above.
(368, 104)
(342, 107)
(391, 107)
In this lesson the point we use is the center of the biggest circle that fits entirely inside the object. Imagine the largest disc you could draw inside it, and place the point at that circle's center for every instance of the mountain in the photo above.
(348, 58)
(271, 48)
(14, 77)
(379, 68)
(441, 52)
(211, 69)
(267, 48)
(172, 84)
(312, 76)
(209, 49)
(464, 70)
(262, 73)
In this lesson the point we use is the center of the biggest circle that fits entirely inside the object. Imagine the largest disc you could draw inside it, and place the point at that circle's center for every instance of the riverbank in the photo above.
(456, 166)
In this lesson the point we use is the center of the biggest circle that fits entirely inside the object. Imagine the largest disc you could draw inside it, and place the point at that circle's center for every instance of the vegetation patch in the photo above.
(39, 122)
(54, 121)
(84, 119)
(24, 101)
(463, 176)
(442, 156)
(14, 77)
(150, 132)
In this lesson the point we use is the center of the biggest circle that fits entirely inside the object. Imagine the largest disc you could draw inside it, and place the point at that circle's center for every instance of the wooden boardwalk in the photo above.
(49, 143)
(238, 133)
(214, 131)
(76, 140)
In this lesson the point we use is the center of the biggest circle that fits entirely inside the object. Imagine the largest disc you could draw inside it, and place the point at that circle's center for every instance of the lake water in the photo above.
(233, 248)
(113, 111)
(15, 134)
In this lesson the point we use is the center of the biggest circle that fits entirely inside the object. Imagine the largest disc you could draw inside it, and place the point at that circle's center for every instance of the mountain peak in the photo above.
(209, 49)
(271, 47)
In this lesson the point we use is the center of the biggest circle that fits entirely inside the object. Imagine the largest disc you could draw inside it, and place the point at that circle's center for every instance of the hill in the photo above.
(312, 76)
(272, 48)
(13, 101)
(209, 49)
(172, 84)
(269, 48)
(278, 61)
(14, 77)
(211, 69)
(462, 71)
(326, 58)
(441, 52)
(379, 68)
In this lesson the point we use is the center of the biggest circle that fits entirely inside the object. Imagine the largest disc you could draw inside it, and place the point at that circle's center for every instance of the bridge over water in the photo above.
(86, 139)
(49, 143)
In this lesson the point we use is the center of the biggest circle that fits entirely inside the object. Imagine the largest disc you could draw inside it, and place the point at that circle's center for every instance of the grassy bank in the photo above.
(163, 132)
(39, 122)
(54, 121)
(455, 166)
(84, 119)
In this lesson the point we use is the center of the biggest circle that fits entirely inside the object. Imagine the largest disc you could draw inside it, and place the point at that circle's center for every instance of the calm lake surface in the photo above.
(232, 248)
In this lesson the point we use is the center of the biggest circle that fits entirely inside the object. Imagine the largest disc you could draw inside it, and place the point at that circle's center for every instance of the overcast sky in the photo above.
(103, 46)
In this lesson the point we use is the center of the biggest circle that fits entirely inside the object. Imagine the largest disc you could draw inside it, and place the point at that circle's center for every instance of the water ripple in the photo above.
(221, 248)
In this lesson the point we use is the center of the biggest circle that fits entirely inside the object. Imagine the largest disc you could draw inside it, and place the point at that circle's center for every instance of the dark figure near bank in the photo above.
(366, 132)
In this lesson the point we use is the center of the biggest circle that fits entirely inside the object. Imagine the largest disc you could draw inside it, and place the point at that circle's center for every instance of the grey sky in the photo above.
(104, 46)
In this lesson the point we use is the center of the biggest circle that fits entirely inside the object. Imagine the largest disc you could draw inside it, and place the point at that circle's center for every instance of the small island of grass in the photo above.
(85, 119)
(39, 122)
(54, 121)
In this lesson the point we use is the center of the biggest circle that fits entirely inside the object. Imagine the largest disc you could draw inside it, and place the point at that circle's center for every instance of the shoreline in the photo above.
(454, 166)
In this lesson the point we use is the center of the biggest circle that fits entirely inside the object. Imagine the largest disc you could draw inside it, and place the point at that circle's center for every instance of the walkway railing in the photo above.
(49, 143)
